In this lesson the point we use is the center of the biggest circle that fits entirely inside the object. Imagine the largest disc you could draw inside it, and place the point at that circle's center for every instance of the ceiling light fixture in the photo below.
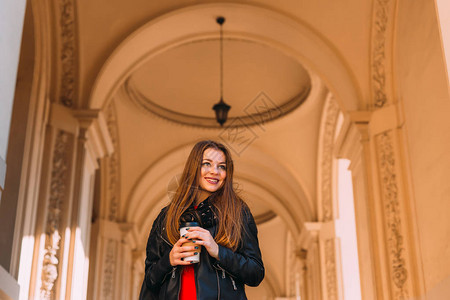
(221, 108)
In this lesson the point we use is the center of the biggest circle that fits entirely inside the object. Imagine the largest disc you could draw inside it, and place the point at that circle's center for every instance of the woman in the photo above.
(226, 238)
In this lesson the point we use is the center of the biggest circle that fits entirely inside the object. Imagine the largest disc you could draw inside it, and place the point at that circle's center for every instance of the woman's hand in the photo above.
(179, 252)
(201, 236)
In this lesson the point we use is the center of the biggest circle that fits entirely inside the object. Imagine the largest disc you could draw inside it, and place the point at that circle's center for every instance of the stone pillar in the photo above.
(309, 251)
(113, 266)
(111, 274)
(74, 142)
(319, 250)
(353, 148)
(387, 245)
(331, 286)
(295, 268)
(138, 273)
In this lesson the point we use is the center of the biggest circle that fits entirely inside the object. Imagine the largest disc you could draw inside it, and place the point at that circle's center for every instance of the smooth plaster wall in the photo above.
(423, 89)
(11, 23)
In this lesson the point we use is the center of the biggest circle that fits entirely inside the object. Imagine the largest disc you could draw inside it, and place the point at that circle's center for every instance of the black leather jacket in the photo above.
(215, 279)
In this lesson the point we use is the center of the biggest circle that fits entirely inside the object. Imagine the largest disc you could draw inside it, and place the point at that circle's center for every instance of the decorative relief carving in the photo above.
(109, 270)
(113, 165)
(58, 181)
(392, 215)
(380, 22)
(331, 112)
(292, 264)
(68, 52)
(325, 165)
(330, 269)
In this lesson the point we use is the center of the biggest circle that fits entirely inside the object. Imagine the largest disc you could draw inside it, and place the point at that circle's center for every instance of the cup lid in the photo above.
(188, 224)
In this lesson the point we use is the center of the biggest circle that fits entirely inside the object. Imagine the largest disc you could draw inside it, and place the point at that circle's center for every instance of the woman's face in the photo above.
(213, 170)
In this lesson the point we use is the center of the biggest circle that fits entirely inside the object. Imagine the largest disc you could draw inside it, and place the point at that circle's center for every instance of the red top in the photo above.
(188, 290)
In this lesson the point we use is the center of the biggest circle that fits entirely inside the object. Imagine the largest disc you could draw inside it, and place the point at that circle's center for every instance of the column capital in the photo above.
(93, 122)
(354, 132)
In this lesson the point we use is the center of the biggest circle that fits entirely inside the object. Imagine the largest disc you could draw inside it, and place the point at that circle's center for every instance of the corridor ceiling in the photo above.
(142, 46)
(185, 81)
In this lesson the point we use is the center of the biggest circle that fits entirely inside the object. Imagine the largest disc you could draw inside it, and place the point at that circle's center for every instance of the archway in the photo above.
(249, 23)
(285, 194)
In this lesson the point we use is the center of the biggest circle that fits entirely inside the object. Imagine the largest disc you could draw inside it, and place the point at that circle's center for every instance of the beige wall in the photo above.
(423, 89)
(11, 24)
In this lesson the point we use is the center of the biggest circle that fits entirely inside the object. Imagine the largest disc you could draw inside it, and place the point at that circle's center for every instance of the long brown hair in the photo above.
(228, 204)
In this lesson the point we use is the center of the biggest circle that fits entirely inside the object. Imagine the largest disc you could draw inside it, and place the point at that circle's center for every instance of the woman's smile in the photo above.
(212, 180)
(213, 170)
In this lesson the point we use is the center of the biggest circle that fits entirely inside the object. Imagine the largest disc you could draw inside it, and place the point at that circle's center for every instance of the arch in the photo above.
(278, 189)
(246, 22)
(325, 163)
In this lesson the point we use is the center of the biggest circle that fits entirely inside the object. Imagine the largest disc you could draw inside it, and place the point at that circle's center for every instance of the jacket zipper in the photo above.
(218, 285)
(162, 237)
(234, 284)
(223, 276)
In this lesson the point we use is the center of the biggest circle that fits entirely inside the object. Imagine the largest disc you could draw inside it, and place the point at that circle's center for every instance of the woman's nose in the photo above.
(214, 170)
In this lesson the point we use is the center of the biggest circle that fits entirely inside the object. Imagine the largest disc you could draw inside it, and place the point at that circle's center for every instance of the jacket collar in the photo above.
(204, 214)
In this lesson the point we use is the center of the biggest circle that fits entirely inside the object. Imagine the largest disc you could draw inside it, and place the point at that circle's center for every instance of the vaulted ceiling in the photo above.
(157, 63)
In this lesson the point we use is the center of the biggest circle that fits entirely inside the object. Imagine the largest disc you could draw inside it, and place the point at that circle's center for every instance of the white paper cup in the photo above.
(183, 230)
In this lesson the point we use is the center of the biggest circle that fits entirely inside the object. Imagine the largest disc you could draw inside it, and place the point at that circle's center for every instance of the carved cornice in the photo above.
(392, 215)
(58, 182)
(113, 165)
(68, 52)
(327, 132)
(380, 34)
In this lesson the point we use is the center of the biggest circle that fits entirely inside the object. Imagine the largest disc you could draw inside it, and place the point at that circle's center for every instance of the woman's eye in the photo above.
(223, 167)
(206, 164)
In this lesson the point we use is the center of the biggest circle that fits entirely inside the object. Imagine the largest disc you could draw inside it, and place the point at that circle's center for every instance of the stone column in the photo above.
(326, 202)
(355, 148)
(138, 273)
(74, 142)
(309, 251)
(112, 274)
(387, 245)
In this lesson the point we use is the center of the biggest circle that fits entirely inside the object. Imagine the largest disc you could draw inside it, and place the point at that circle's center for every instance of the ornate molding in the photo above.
(330, 269)
(68, 58)
(325, 165)
(58, 182)
(392, 215)
(113, 165)
(260, 110)
(327, 131)
(292, 264)
(109, 270)
(382, 10)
